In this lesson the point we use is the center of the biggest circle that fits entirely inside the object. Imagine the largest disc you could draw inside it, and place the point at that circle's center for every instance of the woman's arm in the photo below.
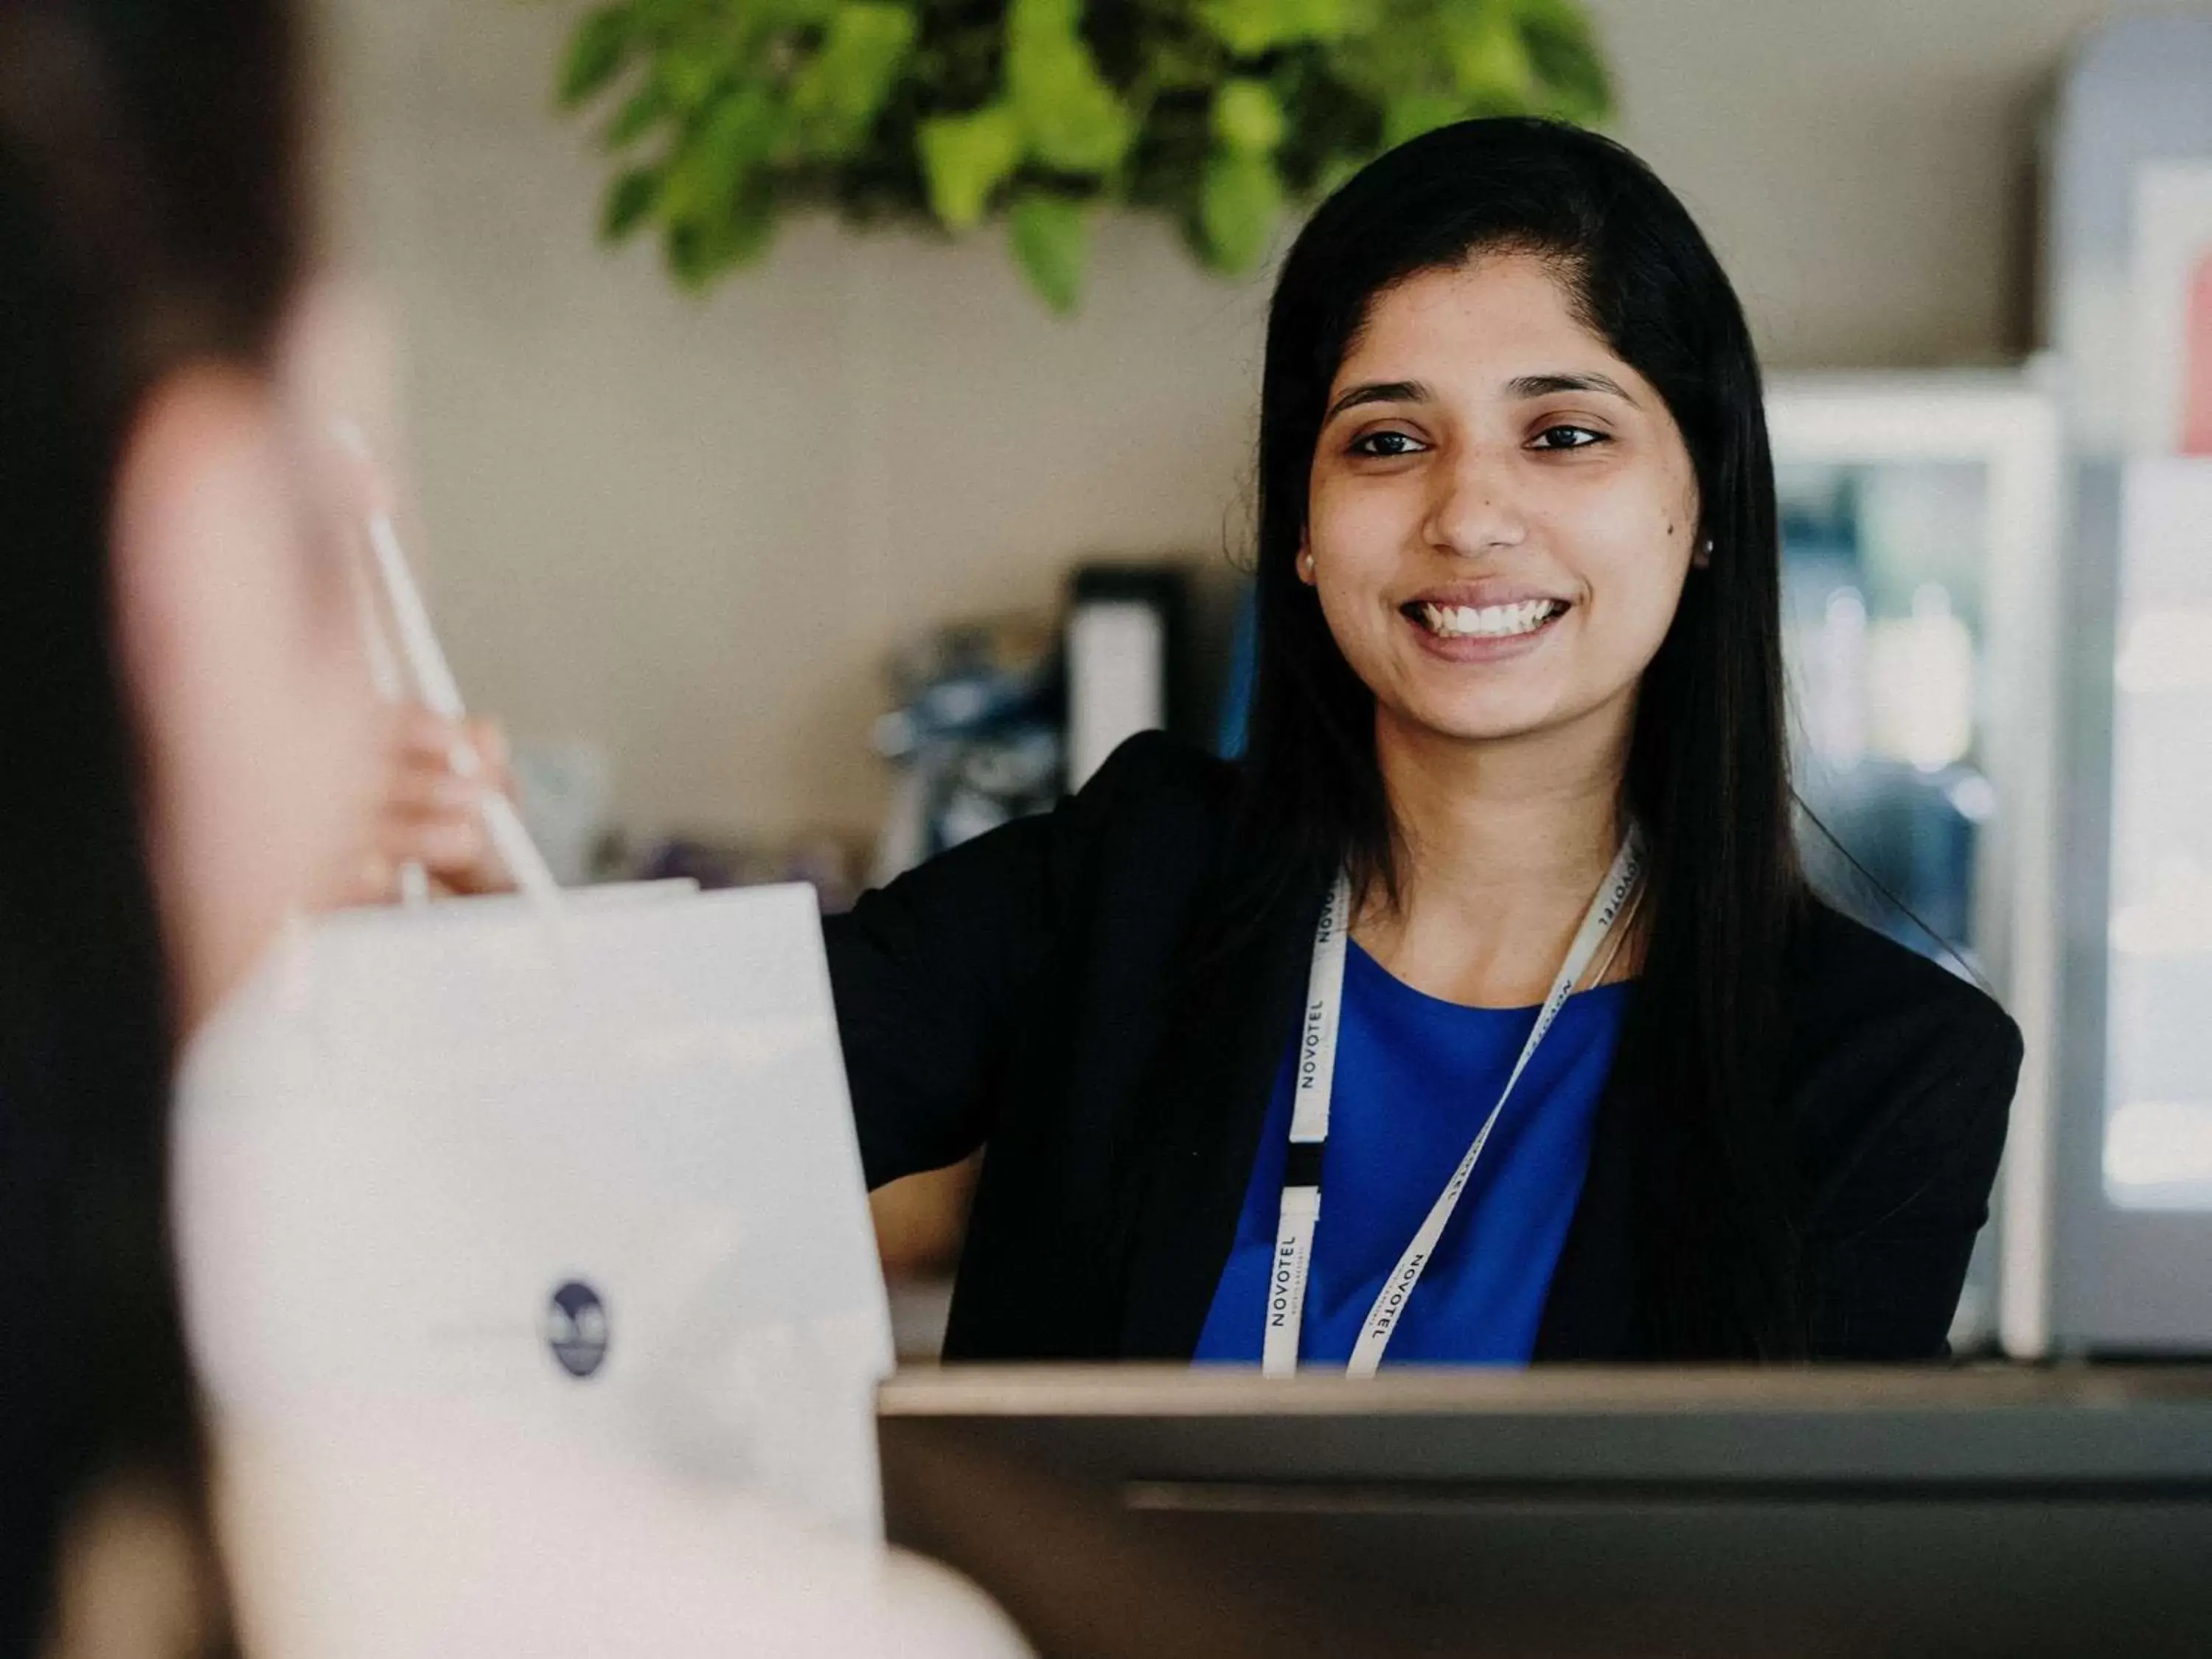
(927, 973)
(936, 973)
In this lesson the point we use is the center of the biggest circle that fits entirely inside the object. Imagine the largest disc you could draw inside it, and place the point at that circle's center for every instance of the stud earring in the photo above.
(1306, 562)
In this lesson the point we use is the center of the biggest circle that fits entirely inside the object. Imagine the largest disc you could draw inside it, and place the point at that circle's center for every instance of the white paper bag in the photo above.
(583, 1173)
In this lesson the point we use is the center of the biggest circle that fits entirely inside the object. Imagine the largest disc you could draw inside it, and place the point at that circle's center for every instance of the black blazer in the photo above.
(1037, 989)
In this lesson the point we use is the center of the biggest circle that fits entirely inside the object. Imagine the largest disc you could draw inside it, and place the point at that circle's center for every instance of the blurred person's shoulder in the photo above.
(1876, 1030)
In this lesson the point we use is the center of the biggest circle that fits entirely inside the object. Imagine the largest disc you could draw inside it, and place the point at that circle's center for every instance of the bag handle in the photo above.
(424, 661)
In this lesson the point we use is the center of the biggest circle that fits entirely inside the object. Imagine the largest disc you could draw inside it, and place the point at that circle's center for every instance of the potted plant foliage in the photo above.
(719, 116)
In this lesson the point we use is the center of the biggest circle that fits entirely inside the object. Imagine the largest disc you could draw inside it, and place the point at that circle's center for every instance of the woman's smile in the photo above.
(1492, 633)
(1484, 622)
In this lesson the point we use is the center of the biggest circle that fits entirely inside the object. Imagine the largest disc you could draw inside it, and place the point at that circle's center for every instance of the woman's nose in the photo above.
(1476, 509)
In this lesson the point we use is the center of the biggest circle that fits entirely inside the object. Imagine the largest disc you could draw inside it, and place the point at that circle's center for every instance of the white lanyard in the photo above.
(1314, 1083)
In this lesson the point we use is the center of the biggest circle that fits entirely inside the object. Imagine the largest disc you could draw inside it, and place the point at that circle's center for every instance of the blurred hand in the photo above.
(426, 812)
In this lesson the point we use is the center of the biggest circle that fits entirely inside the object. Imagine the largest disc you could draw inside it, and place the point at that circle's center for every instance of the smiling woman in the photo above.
(1496, 941)
(1496, 509)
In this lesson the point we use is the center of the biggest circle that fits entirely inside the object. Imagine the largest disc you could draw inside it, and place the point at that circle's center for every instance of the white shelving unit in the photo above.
(1997, 434)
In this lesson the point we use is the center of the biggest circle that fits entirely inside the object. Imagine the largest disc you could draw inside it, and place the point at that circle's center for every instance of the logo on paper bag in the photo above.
(576, 1329)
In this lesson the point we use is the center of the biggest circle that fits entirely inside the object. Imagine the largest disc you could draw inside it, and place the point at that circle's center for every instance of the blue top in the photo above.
(1415, 1077)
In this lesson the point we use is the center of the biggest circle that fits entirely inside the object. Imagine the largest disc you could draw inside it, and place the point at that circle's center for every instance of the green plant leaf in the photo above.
(598, 48)
(837, 96)
(1490, 64)
(1337, 172)
(708, 172)
(1248, 118)
(1404, 56)
(701, 249)
(1247, 28)
(1418, 113)
(1251, 28)
(1073, 120)
(1051, 239)
(720, 114)
(965, 158)
(644, 110)
(779, 13)
(692, 73)
(1238, 209)
(1570, 69)
(629, 201)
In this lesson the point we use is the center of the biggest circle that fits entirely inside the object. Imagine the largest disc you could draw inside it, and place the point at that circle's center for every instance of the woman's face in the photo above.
(1501, 512)
(241, 648)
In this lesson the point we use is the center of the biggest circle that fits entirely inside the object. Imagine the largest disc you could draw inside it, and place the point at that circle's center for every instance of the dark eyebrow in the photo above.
(1546, 385)
(1380, 392)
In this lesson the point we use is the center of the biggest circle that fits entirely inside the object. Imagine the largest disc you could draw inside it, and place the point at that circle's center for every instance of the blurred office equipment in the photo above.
(2127, 302)
(1125, 657)
(977, 735)
(2169, 285)
(2134, 1155)
(2134, 108)
(1920, 518)
(2158, 1091)
(1724, 1513)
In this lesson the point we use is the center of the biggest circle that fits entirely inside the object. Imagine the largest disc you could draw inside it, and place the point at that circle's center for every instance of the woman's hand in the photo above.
(427, 813)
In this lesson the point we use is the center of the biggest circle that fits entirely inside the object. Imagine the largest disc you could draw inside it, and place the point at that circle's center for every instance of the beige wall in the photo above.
(689, 530)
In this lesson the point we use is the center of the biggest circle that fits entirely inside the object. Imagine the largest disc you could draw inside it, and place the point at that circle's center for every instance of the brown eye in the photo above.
(1568, 437)
(1359, 445)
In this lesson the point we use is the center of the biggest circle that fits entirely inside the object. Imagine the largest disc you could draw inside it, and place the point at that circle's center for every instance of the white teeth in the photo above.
(1491, 621)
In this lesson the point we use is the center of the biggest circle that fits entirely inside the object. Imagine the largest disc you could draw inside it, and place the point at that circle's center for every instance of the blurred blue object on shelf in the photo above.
(977, 735)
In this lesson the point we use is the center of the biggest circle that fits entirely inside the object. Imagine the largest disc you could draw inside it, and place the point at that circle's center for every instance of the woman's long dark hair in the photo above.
(1708, 771)
(148, 215)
